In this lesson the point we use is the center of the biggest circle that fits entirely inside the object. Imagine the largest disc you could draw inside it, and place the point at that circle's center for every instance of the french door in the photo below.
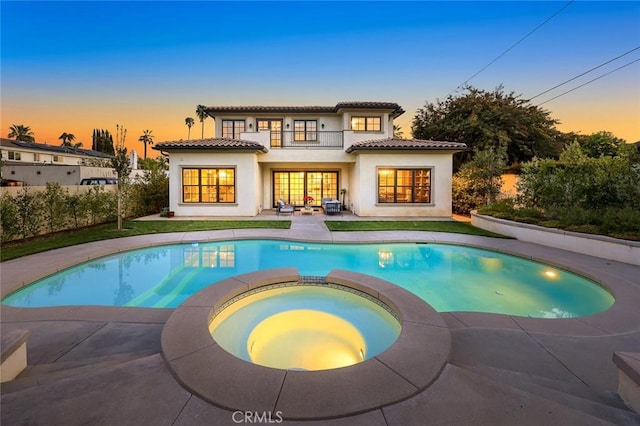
(275, 125)
(294, 186)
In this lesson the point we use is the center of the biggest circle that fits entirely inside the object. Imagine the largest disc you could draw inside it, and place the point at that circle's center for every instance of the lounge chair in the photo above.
(331, 206)
(283, 208)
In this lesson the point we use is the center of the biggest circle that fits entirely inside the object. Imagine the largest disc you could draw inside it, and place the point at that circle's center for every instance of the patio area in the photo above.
(105, 365)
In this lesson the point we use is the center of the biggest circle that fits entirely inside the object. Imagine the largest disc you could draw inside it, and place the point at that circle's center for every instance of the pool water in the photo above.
(305, 327)
(448, 277)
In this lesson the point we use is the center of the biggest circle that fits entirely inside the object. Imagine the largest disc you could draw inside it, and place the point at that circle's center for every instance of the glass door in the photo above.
(294, 186)
(275, 126)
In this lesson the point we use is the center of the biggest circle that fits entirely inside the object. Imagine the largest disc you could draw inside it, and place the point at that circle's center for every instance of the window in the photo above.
(57, 159)
(208, 185)
(223, 256)
(232, 128)
(36, 157)
(404, 185)
(366, 124)
(14, 155)
(305, 130)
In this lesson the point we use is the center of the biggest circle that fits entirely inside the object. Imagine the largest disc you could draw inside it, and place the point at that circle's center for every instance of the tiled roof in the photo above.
(53, 148)
(212, 143)
(397, 109)
(406, 144)
(313, 109)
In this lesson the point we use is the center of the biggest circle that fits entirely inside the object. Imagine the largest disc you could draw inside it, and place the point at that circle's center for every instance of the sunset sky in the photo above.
(75, 66)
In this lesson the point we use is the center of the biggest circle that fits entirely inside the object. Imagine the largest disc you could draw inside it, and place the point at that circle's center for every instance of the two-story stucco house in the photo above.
(261, 154)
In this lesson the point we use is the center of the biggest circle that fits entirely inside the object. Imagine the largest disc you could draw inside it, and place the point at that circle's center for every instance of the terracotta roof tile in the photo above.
(405, 144)
(212, 143)
(396, 109)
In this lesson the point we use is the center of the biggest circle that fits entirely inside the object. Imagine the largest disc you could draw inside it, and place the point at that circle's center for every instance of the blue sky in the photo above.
(74, 66)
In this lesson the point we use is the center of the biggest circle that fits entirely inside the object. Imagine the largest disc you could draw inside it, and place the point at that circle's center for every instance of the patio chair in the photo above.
(332, 207)
(284, 208)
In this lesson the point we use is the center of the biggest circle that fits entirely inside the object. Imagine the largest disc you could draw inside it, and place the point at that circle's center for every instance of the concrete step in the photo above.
(602, 404)
(41, 374)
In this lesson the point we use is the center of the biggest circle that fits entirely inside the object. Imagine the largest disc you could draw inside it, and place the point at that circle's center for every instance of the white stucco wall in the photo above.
(34, 175)
(364, 196)
(247, 183)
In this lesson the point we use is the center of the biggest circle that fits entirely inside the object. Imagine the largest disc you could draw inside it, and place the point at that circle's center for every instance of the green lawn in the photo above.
(434, 226)
(15, 249)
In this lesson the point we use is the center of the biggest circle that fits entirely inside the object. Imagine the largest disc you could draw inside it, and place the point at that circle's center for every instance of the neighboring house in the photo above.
(33, 164)
(261, 154)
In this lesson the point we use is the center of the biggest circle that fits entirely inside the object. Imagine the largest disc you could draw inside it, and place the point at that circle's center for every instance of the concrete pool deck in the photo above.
(104, 365)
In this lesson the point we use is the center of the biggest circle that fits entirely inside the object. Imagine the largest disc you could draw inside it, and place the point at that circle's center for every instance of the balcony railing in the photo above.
(307, 140)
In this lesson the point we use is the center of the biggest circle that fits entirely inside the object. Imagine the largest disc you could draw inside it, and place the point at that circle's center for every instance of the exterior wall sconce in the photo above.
(287, 125)
(250, 125)
(322, 125)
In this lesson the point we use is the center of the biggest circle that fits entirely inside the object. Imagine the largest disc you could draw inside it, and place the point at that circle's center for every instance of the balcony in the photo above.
(307, 140)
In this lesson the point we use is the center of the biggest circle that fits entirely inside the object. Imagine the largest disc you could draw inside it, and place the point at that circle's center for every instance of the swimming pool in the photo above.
(448, 277)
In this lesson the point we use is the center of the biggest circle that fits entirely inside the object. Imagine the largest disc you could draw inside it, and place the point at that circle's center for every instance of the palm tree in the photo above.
(147, 139)
(189, 122)
(397, 131)
(202, 115)
(67, 138)
(21, 133)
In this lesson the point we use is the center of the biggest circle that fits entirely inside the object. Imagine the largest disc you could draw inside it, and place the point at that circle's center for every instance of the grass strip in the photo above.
(409, 225)
(15, 249)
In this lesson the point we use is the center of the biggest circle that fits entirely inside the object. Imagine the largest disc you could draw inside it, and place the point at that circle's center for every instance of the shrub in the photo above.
(8, 217)
(150, 194)
(101, 205)
(76, 207)
(54, 203)
(28, 208)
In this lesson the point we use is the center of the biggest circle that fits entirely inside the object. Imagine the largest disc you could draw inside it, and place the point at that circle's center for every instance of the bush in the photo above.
(614, 222)
(100, 205)
(478, 182)
(54, 202)
(8, 218)
(28, 209)
(150, 194)
(578, 181)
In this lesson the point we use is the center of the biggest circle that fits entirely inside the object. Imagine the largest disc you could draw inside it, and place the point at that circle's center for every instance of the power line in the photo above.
(586, 72)
(590, 81)
(514, 45)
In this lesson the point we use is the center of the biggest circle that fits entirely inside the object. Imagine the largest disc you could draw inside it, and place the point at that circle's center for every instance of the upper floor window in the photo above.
(366, 124)
(14, 155)
(208, 185)
(305, 130)
(404, 185)
(232, 128)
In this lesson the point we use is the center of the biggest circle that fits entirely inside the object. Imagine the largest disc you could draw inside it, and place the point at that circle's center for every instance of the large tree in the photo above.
(189, 122)
(102, 141)
(21, 133)
(202, 115)
(483, 119)
(147, 139)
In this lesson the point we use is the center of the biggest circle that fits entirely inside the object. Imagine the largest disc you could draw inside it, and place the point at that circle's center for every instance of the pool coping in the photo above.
(413, 362)
(621, 279)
